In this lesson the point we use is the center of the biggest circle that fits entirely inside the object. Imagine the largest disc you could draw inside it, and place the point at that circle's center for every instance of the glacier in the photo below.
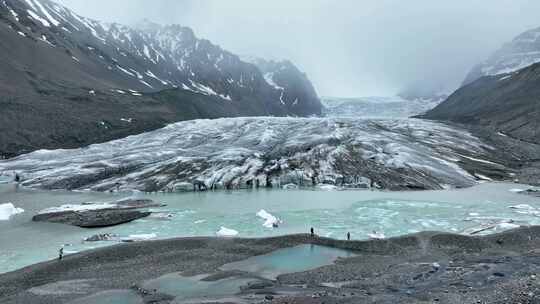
(252, 152)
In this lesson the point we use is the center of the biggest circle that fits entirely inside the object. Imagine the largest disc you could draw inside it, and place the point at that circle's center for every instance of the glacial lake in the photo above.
(331, 213)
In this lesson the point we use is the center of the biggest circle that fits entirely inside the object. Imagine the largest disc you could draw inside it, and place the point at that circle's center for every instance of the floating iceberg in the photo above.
(328, 187)
(270, 220)
(377, 235)
(226, 232)
(8, 210)
(140, 237)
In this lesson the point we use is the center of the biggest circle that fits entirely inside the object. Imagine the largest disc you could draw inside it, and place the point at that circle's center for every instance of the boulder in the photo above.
(92, 218)
(92, 215)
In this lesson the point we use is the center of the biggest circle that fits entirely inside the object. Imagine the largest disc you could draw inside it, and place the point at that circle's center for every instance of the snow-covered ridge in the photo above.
(521, 52)
(146, 56)
(263, 151)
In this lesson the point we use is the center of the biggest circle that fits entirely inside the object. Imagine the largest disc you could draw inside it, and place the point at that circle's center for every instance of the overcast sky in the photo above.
(347, 47)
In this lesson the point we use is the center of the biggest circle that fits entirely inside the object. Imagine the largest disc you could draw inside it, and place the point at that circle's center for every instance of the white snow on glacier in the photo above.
(267, 151)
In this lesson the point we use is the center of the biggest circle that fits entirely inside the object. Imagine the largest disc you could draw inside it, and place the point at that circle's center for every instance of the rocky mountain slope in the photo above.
(297, 92)
(507, 103)
(521, 52)
(68, 81)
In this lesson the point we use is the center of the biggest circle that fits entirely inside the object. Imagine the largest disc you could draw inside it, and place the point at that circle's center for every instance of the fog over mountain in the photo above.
(347, 48)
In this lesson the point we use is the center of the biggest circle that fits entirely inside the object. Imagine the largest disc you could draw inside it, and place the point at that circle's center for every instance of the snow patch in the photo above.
(38, 18)
(125, 71)
(13, 13)
(152, 75)
(46, 13)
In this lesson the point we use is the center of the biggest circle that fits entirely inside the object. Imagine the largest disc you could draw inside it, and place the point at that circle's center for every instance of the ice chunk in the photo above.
(226, 232)
(376, 235)
(8, 210)
(522, 206)
(270, 220)
(290, 186)
(483, 177)
(506, 226)
(141, 237)
(328, 187)
(516, 190)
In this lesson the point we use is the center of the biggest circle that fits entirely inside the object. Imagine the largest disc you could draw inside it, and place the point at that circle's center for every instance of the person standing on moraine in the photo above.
(312, 232)
(60, 253)
(348, 236)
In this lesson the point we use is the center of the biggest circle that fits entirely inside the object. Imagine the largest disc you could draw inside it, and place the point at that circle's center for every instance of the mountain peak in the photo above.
(521, 52)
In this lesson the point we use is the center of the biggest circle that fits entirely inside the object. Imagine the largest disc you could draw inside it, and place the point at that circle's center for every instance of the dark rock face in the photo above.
(296, 92)
(506, 103)
(92, 218)
(109, 81)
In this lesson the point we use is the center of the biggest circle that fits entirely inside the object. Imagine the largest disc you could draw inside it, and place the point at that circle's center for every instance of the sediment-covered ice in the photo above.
(233, 153)
(8, 210)
(78, 207)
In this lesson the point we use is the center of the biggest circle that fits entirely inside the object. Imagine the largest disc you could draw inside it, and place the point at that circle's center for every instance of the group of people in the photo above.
(313, 234)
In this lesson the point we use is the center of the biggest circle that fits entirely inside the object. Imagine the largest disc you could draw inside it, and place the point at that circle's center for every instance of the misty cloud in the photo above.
(348, 47)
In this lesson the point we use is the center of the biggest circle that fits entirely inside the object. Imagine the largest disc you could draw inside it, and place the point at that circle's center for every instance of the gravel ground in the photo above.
(428, 267)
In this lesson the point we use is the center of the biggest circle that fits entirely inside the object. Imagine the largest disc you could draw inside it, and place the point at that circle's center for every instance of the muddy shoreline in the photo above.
(425, 267)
